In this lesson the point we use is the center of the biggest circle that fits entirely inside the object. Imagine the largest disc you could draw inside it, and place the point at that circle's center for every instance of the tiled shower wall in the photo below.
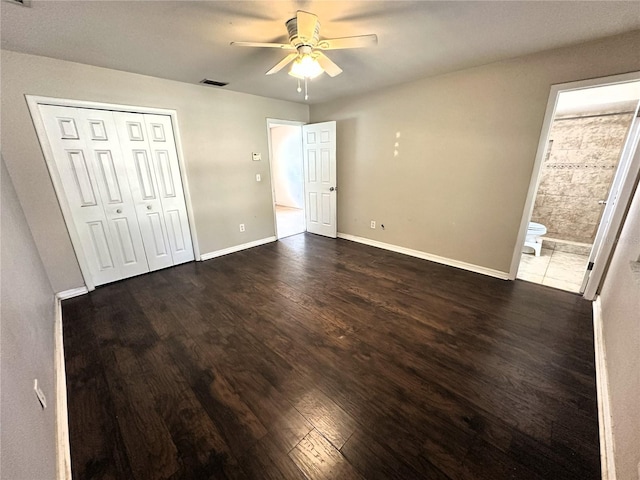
(577, 173)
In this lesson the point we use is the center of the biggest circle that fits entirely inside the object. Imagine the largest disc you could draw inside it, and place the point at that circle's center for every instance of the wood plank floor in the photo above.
(325, 359)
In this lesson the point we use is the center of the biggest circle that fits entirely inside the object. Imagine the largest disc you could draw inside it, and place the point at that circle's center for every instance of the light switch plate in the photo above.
(257, 157)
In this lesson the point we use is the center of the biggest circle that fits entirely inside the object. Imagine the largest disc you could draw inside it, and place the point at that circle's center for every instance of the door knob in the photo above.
(148, 207)
(331, 189)
(119, 210)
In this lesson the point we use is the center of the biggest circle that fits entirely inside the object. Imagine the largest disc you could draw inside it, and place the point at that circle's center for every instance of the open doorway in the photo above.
(587, 148)
(287, 176)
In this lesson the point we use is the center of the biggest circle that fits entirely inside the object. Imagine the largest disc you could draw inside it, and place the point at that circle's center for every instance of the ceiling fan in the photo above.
(308, 57)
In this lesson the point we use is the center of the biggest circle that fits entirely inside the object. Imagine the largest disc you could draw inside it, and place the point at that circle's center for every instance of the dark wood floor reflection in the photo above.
(326, 359)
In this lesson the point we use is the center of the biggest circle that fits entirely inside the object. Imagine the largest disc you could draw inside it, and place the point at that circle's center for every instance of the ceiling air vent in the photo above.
(22, 3)
(214, 83)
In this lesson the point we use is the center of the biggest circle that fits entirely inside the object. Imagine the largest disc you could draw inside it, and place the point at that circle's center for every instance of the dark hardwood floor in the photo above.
(326, 359)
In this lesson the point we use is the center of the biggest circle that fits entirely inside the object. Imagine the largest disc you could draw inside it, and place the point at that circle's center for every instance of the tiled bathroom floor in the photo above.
(555, 269)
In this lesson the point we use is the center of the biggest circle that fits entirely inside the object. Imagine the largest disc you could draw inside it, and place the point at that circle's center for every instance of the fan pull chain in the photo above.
(306, 88)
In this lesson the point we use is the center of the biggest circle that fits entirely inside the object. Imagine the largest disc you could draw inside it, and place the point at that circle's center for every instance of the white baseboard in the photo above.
(426, 256)
(74, 292)
(236, 248)
(607, 459)
(63, 451)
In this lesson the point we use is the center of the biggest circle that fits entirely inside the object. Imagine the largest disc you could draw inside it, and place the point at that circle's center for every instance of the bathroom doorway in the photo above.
(287, 176)
(585, 142)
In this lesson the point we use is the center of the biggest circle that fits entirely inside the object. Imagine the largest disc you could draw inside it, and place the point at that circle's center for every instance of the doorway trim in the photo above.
(542, 151)
(33, 101)
(275, 122)
(622, 189)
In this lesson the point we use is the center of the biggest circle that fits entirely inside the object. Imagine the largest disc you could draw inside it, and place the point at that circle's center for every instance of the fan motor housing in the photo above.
(295, 40)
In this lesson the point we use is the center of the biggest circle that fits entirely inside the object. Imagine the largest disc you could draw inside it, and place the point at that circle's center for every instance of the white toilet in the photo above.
(533, 240)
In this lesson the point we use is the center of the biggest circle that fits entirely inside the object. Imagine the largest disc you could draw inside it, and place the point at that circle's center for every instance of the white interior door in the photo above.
(88, 161)
(603, 244)
(138, 162)
(319, 153)
(165, 162)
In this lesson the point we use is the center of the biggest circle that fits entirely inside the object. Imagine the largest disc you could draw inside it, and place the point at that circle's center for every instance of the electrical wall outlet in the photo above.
(373, 224)
(40, 394)
(242, 227)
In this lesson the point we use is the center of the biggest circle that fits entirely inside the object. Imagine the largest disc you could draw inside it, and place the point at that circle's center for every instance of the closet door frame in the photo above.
(33, 101)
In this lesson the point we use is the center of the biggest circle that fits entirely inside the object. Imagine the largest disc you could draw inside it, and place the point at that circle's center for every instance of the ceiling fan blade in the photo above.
(282, 63)
(283, 46)
(359, 41)
(327, 64)
(307, 23)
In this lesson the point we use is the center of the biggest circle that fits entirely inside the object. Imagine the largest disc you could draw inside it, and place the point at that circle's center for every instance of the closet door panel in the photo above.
(138, 163)
(153, 222)
(165, 161)
(72, 163)
(99, 130)
(100, 243)
(125, 233)
(109, 177)
(144, 174)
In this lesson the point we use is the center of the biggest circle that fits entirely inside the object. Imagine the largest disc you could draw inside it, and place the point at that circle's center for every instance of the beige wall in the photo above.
(219, 130)
(27, 436)
(466, 148)
(620, 297)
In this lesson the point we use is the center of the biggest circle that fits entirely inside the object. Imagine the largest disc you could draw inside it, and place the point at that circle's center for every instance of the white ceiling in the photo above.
(189, 40)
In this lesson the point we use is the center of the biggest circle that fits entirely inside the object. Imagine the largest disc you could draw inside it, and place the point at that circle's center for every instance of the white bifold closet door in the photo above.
(121, 181)
(151, 160)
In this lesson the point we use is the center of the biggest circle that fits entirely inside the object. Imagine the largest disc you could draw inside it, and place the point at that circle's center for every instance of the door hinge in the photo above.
(590, 266)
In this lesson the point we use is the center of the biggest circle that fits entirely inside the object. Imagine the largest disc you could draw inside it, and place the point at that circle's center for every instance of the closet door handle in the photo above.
(119, 210)
(148, 207)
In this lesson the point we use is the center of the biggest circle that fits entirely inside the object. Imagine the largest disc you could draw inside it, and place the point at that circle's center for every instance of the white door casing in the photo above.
(319, 153)
(626, 174)
(140, 168)
(272, 123)
(165, 161)
(541, 152)
(88, 161)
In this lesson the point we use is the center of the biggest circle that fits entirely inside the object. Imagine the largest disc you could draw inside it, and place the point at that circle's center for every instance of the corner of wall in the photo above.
(63, 447)
(607, 458)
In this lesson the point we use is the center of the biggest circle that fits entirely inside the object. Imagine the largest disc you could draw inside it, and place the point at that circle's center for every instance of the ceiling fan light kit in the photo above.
(308, 59)
(305, 66)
